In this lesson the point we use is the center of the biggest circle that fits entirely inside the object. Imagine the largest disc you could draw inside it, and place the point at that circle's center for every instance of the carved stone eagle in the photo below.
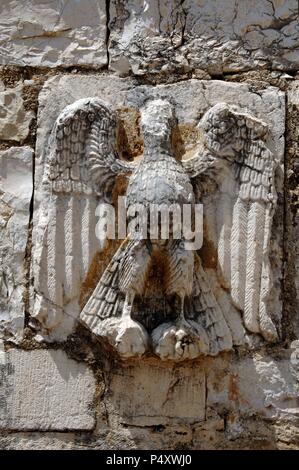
(194, 312)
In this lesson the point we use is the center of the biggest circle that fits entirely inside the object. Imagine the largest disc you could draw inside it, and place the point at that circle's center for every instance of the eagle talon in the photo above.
(178, 341)
(132, 338)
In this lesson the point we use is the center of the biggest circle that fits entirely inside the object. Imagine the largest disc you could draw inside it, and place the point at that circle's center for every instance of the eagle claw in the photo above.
(177, 341)
(132, 338)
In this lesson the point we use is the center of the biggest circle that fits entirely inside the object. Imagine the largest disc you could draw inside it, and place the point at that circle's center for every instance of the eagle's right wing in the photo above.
(239, 209)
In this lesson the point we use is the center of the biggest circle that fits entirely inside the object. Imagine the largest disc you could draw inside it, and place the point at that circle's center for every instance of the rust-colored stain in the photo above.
(129, 138)
(233, 389)
(5, 212)
(120, 188)
(208, 252)
(157, 274)
(185, 139)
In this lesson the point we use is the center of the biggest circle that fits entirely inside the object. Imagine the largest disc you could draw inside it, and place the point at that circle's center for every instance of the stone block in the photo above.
(14, 119)
(45, 390)
(53, 33)
(147, 395)
(16, 184)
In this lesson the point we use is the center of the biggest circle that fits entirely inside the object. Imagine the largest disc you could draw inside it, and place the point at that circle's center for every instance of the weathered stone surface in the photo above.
(147, 395)
(192, 99)
(231, 35)
(36, 441)
(266, 387)
(221, 403)
(208, 435)
(16, 184)
(52, 33)
(151, 36)
(44, 390)
(258, 386)
(14, 119)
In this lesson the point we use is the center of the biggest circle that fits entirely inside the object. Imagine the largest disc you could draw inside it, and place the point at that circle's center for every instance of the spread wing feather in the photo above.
(82, 157)
(80, 171)
(206, 311)
(236, 157)
(107, 299)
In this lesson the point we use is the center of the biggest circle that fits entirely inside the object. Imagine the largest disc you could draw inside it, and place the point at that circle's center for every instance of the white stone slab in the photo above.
(16, 184)
(45, 390)
(51, 33)
(148, 395)
(14, 119)
(254, 386)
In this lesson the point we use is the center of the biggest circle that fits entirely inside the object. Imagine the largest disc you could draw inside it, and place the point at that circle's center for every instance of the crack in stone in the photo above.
(107, 2)
(46, 34)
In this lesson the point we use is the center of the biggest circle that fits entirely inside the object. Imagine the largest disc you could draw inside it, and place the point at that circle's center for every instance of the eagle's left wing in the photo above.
(239, 205)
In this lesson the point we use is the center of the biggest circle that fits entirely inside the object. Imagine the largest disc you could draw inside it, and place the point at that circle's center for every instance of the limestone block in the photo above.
(53, 33)
(254, 386)
(57, 316)
(16, 184)
(44, 390)
(147, 395)
(267, 388)
(14, 119)
(38, 441)
(231, 35)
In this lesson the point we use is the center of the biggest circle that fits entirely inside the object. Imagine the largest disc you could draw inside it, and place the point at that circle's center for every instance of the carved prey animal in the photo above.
(231, 173)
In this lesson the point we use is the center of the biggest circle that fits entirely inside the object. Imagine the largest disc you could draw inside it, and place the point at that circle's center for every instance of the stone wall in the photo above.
(68, 390)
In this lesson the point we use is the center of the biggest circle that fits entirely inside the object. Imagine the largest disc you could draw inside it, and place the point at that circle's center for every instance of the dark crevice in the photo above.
(38, 430)
(108, 31)
(28, 253)
(284, 223)
(184, 23)
(10, 75)
(288, 287)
